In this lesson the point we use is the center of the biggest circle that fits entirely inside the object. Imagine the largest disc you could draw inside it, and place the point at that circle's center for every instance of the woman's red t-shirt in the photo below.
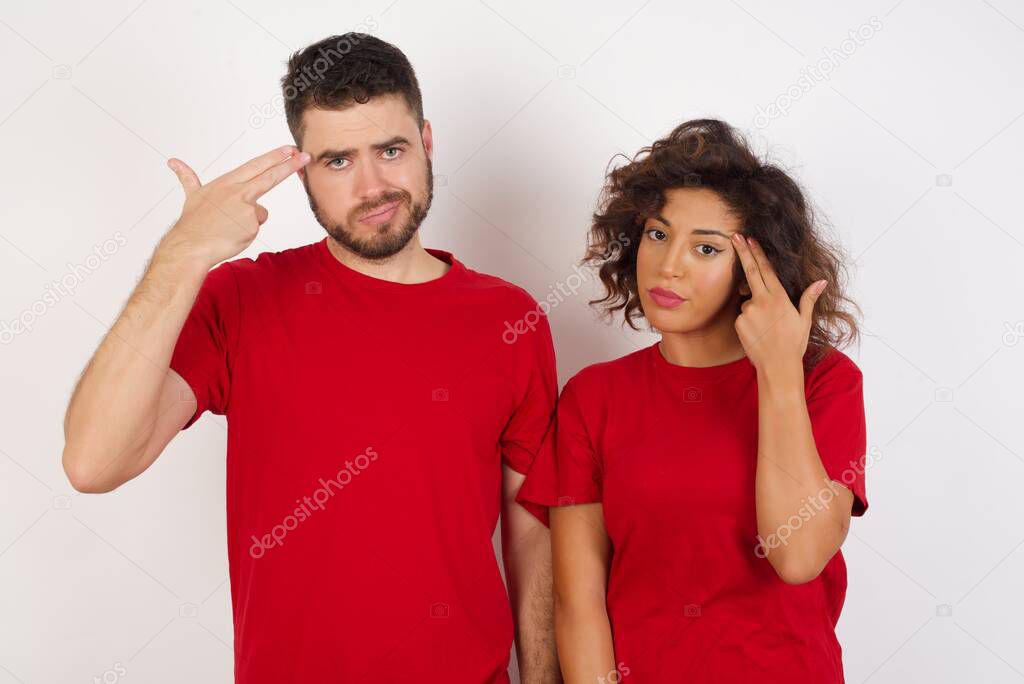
(671, 452)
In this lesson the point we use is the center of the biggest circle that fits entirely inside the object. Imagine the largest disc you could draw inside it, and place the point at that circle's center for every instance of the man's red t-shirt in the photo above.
(671, 452)
(367, 425)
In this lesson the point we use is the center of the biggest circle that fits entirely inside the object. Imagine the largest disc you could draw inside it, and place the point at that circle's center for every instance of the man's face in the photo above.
(370, 182)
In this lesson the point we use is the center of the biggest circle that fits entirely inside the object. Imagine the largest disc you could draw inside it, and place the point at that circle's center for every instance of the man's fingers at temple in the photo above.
(268, 179)
(256, 166)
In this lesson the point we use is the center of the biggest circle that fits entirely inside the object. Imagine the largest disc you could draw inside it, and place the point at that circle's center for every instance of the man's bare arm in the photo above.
(128, 403)
(526, 549)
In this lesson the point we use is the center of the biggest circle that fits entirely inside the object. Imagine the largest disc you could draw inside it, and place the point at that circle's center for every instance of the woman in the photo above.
(701, 487)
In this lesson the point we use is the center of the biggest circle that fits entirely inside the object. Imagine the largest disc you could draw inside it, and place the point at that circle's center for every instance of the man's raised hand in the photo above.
(220, 219)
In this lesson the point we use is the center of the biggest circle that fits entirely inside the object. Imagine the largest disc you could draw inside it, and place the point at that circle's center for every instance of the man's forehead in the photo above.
(358, 125)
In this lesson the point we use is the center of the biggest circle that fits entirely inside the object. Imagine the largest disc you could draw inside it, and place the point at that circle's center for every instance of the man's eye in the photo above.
(655, 234)
(332, 165)
(396, 150)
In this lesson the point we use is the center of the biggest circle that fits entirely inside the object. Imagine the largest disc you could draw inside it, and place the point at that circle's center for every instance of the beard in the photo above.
(388, 239)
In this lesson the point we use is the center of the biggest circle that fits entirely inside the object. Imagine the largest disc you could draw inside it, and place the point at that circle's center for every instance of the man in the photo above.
(379, 415)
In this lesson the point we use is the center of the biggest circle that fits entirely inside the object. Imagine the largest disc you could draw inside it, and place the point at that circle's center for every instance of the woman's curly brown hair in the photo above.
(771, 207)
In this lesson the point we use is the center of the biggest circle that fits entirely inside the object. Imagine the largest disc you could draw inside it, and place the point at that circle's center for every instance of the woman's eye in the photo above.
(707, 250)
(656, 234)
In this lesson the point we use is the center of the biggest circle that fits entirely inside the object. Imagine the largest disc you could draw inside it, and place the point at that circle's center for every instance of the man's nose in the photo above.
(370, 182)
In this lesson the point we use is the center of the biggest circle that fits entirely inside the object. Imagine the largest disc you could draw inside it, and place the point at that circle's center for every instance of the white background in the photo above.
(911, 148)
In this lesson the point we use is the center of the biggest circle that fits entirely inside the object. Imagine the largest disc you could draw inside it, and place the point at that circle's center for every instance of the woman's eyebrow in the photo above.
(707, 231)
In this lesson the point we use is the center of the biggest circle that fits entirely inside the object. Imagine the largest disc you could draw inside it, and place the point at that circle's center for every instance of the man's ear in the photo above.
(428, 139)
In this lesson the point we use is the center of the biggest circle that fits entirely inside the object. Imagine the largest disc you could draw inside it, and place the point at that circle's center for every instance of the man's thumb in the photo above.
(186, 176)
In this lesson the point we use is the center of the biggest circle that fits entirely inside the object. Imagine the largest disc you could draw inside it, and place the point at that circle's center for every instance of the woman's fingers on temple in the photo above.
(754, 280)
(764, 265)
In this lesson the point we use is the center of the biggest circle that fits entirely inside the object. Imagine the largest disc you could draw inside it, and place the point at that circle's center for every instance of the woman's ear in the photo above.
(744, 289)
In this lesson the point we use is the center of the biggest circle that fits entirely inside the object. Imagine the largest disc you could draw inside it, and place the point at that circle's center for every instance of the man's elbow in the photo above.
(82, 476)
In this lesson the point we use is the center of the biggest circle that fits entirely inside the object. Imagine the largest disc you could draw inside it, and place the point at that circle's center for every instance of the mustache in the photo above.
(368, 207)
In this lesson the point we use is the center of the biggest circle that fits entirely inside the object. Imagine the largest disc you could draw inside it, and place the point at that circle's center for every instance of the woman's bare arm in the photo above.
(580, 563)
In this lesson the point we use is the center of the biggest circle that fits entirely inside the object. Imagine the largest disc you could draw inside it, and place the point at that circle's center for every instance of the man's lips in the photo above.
(381, 214)
(665, 298)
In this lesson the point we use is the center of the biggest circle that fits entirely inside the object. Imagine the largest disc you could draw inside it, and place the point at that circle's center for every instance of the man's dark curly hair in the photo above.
(342, 70)
(708, 153)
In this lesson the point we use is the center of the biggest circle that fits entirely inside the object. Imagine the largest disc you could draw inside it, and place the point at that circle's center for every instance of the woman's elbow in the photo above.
(795, 568)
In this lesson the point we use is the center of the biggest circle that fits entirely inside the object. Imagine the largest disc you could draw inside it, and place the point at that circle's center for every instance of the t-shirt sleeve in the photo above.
(580, 470)
(202, 353)
(835, 404)
(527, 433)
(526, 430)
(568, 469)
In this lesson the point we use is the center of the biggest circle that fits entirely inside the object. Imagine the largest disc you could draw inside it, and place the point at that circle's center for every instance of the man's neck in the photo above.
(411, 265)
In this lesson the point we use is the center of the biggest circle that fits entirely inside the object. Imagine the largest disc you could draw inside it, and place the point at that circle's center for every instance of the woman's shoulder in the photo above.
(832, 364)
(603, 376)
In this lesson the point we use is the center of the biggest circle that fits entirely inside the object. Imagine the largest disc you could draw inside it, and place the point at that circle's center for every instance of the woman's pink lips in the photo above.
(383, 214)
(665, 298)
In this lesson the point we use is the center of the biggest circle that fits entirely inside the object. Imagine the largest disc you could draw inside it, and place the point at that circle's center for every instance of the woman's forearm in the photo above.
(802, 516)
(584, 641)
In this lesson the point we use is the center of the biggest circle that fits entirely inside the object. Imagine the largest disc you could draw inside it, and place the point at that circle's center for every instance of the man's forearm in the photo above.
(113, 408)
(529, 574)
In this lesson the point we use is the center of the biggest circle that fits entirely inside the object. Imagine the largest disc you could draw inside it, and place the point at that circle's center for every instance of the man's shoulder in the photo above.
(497, 289)
(269, 264)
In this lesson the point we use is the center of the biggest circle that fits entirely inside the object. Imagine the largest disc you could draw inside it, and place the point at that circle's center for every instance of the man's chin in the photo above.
(380, 243)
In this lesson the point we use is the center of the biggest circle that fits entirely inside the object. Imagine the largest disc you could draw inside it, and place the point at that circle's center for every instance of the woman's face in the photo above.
(684, 266)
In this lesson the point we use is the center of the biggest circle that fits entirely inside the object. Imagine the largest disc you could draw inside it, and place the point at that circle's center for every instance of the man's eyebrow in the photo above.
(695, 231)
(348, 152)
